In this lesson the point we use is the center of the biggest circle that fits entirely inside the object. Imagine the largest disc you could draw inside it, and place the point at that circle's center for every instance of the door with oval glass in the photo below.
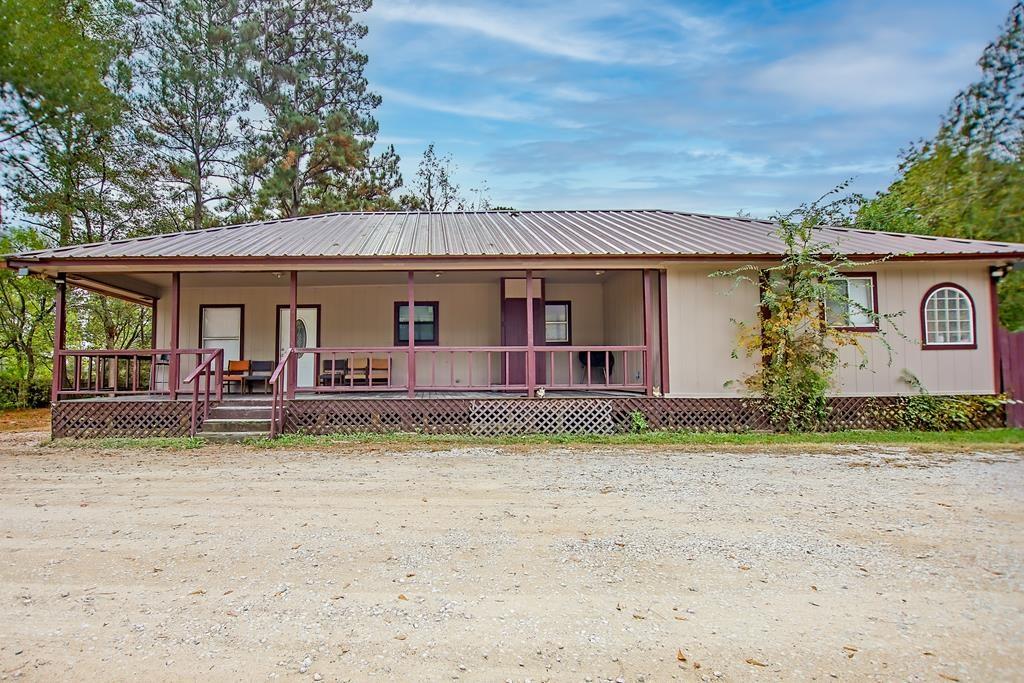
(307, 335)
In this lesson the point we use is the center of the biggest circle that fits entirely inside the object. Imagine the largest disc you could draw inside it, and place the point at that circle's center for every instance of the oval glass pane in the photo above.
(300, 334)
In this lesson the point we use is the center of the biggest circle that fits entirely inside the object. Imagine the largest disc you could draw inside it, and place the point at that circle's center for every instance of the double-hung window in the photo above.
(424, 323)
(854, 303)
(557, 322)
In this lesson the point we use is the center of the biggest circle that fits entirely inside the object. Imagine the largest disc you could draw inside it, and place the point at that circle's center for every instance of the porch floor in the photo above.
(371, 395)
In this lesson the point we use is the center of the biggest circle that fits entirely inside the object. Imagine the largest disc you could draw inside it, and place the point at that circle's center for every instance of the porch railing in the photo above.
(468, 368)
(457, 368)
(210, 368)
(121, 372)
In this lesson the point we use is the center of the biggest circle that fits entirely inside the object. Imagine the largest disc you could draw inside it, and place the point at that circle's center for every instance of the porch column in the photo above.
(663, 328)
(531, 359)
(995, 274)
(59, 335)
(411, 363)
(648, 335)
(174, 362)
(293, 333)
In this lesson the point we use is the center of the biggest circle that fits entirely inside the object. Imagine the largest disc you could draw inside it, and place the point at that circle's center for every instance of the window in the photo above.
(855, 305)
(220, 327)
(947, 317)
(424, 322)
(558, 322)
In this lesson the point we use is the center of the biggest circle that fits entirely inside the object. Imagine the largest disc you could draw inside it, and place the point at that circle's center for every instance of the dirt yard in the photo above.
(479, 564)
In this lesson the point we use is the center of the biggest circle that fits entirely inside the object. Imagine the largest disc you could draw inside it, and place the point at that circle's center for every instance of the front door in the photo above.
(513, 333)
(307, 335)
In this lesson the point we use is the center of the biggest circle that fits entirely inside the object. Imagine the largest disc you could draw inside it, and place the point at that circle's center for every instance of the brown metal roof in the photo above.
(512, 234)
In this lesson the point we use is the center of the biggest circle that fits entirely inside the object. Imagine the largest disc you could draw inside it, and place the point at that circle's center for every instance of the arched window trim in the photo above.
(924, 323)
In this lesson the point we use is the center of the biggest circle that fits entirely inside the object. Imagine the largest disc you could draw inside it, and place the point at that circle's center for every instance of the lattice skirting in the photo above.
(501, 417)
(134, 419)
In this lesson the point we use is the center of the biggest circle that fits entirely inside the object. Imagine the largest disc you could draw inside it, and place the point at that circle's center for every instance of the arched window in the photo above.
(947, 318)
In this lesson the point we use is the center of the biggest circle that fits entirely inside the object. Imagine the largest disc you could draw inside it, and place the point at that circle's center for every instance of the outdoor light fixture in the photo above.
(598, 272)
(999, 272)
(437, 274)
(277, 274)
(59, 280)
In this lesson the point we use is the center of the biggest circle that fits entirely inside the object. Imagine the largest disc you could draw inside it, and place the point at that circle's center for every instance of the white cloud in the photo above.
(879, 72)
(493, 107)
(561, 30)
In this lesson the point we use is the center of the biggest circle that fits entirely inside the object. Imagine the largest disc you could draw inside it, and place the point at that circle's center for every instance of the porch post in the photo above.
(293, 333)
(648, 335)
(174, 365)
(411, 363)
(663, 328)
(531, 359)
(59, 335)
(995, 274)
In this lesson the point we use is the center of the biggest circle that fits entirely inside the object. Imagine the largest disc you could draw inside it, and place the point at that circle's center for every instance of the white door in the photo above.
(305, 337)
(221, 328)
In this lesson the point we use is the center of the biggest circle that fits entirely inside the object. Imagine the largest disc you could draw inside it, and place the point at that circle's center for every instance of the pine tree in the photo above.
(305, 73)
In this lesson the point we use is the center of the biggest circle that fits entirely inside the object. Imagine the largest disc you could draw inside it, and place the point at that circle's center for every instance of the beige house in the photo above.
(521, 320)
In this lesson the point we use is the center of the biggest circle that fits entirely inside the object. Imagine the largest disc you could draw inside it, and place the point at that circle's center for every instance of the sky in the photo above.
(712, 107)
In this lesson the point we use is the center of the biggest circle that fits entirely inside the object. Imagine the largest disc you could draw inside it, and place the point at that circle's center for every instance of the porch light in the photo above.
(437, 274)
(599, 272)
(59, 280)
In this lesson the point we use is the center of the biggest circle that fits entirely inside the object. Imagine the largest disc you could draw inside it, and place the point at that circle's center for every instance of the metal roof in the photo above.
(512, 234)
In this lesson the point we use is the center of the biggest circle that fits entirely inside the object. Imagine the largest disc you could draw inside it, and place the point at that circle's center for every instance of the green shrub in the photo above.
(637, 422)
(925, 412)
(38, 392)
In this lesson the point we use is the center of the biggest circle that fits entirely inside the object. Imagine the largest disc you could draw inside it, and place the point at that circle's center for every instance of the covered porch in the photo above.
(341, 335)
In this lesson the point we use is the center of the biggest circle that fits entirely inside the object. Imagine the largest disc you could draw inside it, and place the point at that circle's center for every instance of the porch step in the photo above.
(252, 427)
(238, 412)
(231, 437)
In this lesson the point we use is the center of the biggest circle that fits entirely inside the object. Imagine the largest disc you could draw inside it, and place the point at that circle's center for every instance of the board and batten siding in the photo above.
(363, 315)
(702, 336)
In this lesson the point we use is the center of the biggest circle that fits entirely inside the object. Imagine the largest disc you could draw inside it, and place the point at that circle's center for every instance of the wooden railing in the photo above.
(120, 372)
(468, 368)
(211, 367)
(278, 391)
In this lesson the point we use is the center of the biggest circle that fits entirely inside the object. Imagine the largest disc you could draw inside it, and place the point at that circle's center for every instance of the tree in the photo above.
(434, 187)
(797, 352)
(968, 181)
(368, 188)
(191, 95)
(54, 59)
(304, 71)
(26, 315)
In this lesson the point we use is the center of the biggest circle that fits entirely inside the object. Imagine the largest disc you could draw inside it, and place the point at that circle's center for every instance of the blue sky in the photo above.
(702, 106)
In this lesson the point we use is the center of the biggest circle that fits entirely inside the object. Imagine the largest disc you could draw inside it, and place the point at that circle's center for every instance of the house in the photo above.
(521, 321)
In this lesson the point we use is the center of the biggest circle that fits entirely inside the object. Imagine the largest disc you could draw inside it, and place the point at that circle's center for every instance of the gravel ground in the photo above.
(483, 564)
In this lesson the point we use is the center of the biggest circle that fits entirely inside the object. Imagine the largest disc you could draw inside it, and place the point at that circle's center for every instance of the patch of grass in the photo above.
(169, 443)
(978, 438)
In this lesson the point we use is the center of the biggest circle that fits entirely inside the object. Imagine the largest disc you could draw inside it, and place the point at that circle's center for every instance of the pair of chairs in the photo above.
(360, 371)
(242, 371)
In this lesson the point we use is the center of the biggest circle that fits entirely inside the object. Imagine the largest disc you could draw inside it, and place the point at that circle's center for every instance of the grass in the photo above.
(991, 437)
(168, 443)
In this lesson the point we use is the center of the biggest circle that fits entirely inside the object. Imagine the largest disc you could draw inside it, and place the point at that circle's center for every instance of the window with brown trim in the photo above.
(947, 318)
(425, 323)
(558, 322)
(855, 306)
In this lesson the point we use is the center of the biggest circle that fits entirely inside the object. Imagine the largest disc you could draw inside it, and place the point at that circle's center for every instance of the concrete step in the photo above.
(231, 437)
(236, 425)
(232, 412)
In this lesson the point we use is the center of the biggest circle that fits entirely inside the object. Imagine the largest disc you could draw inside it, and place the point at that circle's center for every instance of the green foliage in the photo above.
(304, 71)
(26, 321)
(925, 412)
(797, 353)
(637, 422)
(968, 181)
(15, 393)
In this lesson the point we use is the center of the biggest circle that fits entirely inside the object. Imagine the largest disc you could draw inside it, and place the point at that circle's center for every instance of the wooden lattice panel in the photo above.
(371, 415)
(132, 419)
(552, 416)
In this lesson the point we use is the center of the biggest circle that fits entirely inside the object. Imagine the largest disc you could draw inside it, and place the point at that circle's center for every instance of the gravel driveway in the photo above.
(483, 564)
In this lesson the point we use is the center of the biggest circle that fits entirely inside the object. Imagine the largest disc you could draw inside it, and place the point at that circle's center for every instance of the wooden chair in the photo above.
(235, 374)
(335, 372)
(379, 371)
